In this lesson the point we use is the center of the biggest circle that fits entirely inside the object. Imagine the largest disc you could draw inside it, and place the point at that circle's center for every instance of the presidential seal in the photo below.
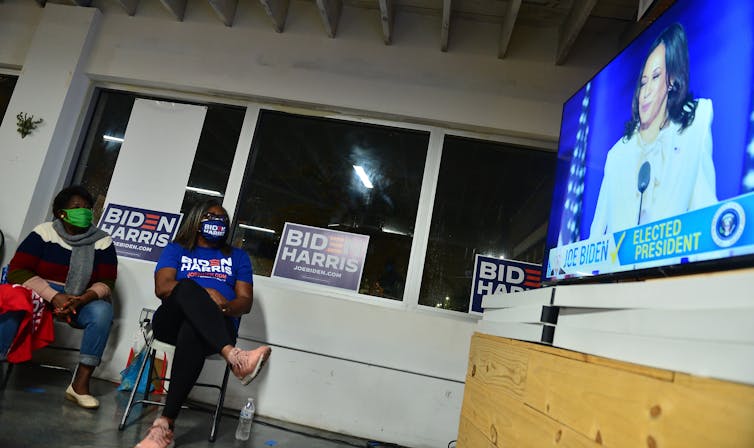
(728, 224)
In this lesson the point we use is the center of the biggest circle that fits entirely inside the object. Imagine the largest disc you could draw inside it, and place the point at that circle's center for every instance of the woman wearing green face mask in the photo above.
(72, 266)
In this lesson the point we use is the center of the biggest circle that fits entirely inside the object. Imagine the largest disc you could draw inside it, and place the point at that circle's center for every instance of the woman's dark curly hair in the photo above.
(681, 103)
(65, 195)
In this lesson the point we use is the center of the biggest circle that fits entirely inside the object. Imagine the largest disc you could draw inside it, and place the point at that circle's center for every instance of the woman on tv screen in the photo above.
(662, 166)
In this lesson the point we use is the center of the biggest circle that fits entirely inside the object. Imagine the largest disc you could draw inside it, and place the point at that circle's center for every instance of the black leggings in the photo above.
(191, 321)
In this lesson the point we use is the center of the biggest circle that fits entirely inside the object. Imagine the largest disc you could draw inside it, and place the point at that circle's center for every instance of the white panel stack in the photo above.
(525, 315)
(699, 324)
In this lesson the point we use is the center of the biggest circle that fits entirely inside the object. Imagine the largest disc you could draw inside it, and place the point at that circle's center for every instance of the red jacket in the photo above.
(36, 328)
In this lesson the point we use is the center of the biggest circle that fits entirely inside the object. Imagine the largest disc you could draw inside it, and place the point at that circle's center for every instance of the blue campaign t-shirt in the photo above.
(208, 267)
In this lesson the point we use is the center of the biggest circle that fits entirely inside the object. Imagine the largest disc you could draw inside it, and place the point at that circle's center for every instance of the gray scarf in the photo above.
(82, 256)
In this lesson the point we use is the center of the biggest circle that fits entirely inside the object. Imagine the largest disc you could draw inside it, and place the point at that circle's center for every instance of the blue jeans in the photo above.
(9, 323)
(95, 318)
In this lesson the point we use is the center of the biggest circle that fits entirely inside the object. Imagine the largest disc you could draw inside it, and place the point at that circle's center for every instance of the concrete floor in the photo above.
(35, 413)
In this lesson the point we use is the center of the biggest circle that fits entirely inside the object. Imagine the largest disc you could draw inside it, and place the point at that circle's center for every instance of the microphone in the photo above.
(642, 184)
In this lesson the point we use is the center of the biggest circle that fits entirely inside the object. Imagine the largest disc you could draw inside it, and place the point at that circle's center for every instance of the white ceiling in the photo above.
(569, 16)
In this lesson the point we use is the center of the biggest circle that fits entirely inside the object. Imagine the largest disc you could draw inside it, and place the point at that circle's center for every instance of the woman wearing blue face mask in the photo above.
(69, 267)
(205, 286)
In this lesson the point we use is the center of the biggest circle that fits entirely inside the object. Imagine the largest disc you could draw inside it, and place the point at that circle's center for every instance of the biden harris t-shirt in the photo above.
(208, 267)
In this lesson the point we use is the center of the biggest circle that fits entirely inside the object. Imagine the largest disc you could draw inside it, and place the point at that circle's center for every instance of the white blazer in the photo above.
(682, 176)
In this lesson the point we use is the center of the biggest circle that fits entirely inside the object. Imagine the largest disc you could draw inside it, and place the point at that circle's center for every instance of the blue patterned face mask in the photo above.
(213, 230)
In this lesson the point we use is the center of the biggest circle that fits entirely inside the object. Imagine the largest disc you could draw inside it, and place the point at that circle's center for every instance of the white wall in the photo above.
(347, 363)
(52, 87)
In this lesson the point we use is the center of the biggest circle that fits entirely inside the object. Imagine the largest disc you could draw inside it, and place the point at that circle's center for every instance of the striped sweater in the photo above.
(43, 258)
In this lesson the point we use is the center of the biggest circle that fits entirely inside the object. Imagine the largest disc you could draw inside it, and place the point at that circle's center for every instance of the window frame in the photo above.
(417, 254)
(411, 291)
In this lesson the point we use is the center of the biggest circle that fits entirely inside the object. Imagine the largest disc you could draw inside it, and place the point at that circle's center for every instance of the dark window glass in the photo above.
(302, 170)
(214, 154)
(102, 144)
(7, 84)
(491, 199)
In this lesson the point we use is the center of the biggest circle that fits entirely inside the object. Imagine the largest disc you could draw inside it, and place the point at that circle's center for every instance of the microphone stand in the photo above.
(642, 184)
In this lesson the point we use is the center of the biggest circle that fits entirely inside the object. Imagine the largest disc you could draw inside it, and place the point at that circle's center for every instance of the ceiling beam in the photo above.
(330, 10)
(445, 32)
(386, 17)
(572, 26)
(225, 9)
(75, 2)
(654, 11)
(277, 11)
(129, 6)
(176, 7)
(509, 21)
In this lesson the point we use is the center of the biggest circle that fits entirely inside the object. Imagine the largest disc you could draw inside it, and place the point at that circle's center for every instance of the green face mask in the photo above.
(79, 217)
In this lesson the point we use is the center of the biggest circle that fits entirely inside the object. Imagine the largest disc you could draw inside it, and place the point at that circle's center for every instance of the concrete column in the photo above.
(52, 86)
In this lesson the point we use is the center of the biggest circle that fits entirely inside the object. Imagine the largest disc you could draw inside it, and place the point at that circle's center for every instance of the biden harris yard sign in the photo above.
(139, 233)
(321, 256)
(494, 275)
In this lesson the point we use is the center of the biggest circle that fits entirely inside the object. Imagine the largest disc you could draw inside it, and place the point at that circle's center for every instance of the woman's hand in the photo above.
(60, 299)
(78, 301)
(218, 298)
(63, 305)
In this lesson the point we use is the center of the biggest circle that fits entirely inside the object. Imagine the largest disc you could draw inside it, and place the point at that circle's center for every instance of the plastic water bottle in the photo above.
(244, 420)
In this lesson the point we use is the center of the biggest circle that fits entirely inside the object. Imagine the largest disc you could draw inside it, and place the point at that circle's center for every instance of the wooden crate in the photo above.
(520, 394)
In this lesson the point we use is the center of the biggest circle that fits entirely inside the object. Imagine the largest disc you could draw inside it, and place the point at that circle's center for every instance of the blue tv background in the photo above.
(720, 36)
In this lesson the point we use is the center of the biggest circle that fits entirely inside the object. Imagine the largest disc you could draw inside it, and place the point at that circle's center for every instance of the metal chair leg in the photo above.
(219, 407)
(150, 370)
(148, 363)
(129, 406)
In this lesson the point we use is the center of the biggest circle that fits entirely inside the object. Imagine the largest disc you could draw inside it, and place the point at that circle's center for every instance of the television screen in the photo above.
(656, 152)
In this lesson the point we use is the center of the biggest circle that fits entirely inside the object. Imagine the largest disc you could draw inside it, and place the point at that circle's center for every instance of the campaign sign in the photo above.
(494, 275)
(322, 256)
(139, 233)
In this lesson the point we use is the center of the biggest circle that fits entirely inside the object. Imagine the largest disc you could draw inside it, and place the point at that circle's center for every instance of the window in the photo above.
(491, 199)
(102, 145)
(212, 161)
(304, 170)
(7, 84)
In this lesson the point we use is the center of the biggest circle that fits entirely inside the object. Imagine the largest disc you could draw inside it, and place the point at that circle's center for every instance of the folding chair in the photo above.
(154, 346)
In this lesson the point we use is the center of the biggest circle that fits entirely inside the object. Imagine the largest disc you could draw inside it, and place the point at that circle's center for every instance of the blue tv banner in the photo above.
(704, 234)
(321, 256)
(139, 233)
(493, 275)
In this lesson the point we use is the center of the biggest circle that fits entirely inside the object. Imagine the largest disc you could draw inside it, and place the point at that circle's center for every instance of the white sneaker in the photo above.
(246, 364)
(158, 436)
